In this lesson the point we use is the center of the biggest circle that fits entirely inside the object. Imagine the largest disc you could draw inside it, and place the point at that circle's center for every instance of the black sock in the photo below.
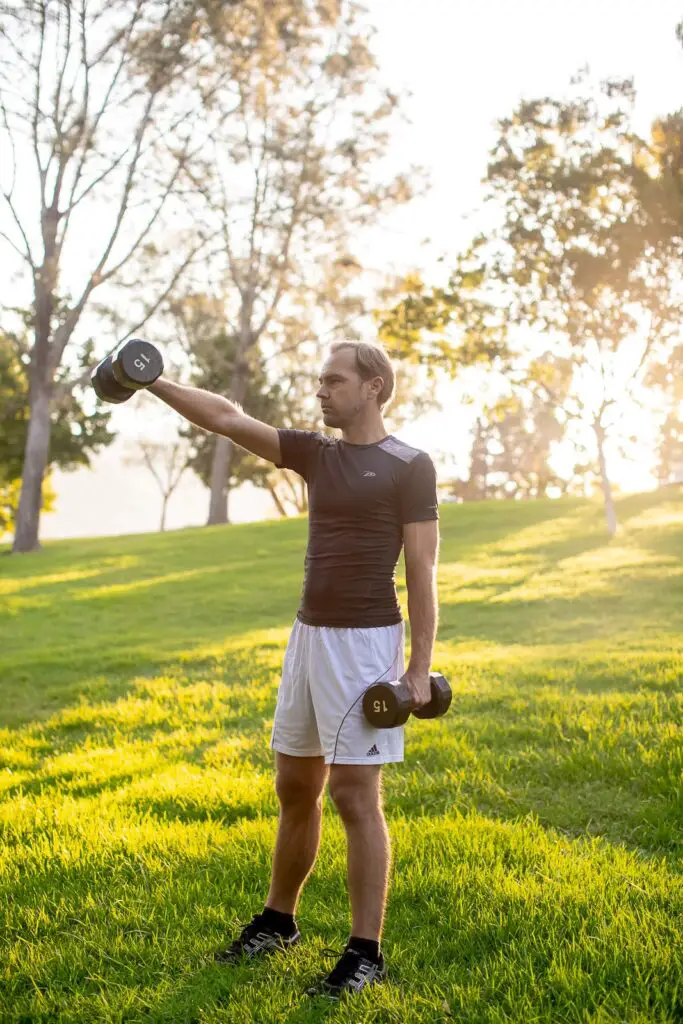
(368, 947)
(279, 922)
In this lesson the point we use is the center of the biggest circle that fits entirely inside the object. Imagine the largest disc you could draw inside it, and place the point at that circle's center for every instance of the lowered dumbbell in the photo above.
(389, 704)
(134, 365)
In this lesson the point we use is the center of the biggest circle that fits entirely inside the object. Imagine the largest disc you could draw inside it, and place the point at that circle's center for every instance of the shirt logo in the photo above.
(368, 472)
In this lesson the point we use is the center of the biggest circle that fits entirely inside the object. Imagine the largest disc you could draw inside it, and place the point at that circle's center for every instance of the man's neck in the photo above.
(365, 433)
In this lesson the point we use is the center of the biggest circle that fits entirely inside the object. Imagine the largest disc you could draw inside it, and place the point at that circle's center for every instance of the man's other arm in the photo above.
(421, 548)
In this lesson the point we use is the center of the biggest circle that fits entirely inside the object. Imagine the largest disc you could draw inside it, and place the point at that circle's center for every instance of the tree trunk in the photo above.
(610, 513)
(303, 490)
(476, 486)
(41, 375)
(220, 475)
(276, 500)
(36, 454)
(164, 504)
(222, 454)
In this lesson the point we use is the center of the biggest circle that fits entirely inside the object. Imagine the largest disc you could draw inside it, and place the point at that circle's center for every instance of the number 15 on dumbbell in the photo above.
(133, 366)
(389, 704)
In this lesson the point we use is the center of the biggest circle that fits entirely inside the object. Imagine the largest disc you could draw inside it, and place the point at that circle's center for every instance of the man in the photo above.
(369, 495)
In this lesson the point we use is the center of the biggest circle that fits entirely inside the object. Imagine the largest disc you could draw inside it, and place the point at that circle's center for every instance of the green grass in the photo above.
(537, 829)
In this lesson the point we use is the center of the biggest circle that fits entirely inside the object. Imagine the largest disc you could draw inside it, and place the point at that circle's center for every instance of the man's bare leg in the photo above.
(356, 792)
(299, 783)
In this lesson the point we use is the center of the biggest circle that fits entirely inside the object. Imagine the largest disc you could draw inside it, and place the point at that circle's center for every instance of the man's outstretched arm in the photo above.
(220, 416)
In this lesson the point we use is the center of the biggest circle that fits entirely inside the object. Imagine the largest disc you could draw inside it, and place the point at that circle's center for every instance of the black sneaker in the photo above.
(351, 974)
(255, 939)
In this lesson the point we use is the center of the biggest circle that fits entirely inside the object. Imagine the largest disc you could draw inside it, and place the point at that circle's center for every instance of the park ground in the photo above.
(537, 829)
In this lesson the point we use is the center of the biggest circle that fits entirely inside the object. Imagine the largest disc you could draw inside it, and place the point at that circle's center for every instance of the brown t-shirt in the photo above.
(359, 497)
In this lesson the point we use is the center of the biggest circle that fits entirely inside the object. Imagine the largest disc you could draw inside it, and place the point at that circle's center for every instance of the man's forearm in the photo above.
(423, 612)
(204, 409)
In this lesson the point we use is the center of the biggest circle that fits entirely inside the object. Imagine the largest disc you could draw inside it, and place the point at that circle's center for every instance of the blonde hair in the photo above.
(371, 361)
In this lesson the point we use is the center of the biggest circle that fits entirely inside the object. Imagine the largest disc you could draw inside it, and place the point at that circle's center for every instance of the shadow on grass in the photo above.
(598, 760)
(39, 681)
(479, 907)
(181, 592)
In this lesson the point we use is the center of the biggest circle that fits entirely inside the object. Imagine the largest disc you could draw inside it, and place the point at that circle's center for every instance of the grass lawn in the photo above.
(537, 829)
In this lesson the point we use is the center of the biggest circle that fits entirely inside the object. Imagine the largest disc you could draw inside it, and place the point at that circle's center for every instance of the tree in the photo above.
(167, 461)
(670, 451)
(72, 160)
(199, 322)
(663, 196)
(520, 448)
(572, 286)
(292, 173)
(512, 445)
(666, 198)
(666, 378)
(76, 433)
(262, 400)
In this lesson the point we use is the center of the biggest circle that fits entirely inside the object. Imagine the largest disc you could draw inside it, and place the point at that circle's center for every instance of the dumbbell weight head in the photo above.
(137, 364)
(106, 385)
(387, 705)
(440, 702)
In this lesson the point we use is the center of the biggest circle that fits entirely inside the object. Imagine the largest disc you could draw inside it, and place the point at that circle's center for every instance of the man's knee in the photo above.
(298, 785)
(356, 793)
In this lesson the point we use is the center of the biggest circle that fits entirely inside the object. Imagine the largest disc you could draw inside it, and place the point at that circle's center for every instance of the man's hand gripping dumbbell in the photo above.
(389, 704)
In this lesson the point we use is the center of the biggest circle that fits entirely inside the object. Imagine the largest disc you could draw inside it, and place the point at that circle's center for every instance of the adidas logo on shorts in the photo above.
(373, 751)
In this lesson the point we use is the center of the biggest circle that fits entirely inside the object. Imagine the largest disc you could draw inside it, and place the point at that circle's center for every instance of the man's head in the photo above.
(356, 382)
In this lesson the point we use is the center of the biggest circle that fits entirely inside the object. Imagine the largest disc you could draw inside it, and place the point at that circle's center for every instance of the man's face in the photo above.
(342, 394)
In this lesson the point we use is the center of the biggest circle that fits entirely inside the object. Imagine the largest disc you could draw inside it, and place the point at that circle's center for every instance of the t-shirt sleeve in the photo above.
(419, 502)
(296, 449)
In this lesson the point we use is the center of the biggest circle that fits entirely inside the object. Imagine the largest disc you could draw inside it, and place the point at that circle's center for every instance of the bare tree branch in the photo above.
(62, 337)
(57, 115)
(170, 288)
(86, 140)
(16, 248)
(272, 490)
(28, 255)
(10, 136)
(236, 276)
(37, 69)
(144, 448)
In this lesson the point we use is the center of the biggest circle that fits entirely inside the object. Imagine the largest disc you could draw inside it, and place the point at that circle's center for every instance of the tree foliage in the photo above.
(76, 433)
(573, 285)
(670, 450)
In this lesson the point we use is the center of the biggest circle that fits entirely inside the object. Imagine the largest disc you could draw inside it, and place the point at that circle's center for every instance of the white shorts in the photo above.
(325, 671)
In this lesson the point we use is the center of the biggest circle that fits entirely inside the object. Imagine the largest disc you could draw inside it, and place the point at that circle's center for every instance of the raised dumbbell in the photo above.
(106, 385)
(389, 704)
(135, 365)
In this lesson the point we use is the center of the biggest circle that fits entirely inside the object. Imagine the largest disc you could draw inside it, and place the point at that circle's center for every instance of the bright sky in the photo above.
(466, 64)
